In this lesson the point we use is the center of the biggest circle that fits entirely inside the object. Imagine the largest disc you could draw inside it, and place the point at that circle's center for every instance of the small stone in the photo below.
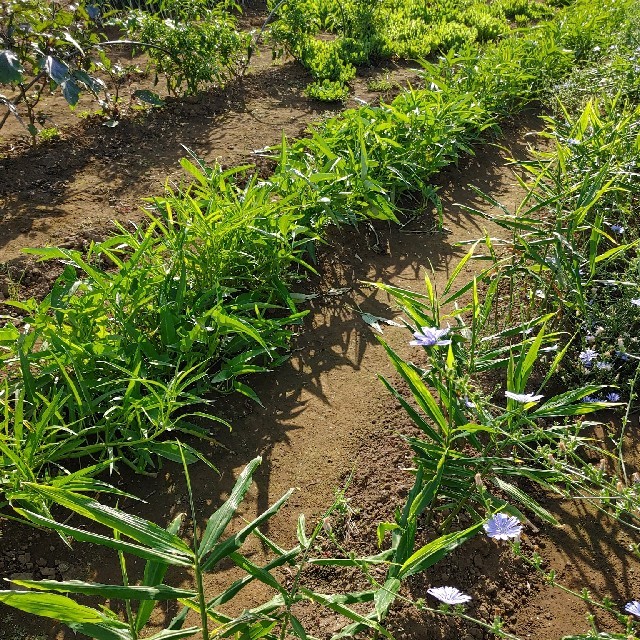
(41, 562)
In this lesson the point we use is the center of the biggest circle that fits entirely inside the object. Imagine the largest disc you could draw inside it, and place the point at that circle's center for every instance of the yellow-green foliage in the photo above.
(330, 37)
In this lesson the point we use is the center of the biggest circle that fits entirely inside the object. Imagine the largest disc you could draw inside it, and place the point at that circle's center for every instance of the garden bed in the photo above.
(327, 422)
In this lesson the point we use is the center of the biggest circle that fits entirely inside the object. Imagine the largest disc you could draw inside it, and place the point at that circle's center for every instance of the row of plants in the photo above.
(555, 306)
(158, 316)
(332, 38)
(46, 46)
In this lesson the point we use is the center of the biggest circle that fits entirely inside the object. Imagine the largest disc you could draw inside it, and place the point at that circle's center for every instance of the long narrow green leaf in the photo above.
(385, 596)
(110, 630)
(159, 592)
(50, 605)
(519, 495)
(119, 545)
(433, 552)
(418, 388)
(334, 603)
(223, 549)
(175, 634)
(153, 575)
(138, 529)
(220, 519)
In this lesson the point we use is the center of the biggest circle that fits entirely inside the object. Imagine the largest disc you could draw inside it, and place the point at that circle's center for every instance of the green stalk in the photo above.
(202, 601)
(125, 581)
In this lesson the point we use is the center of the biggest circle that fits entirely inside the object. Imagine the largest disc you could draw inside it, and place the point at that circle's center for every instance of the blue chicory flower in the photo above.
(612, 396)
(633, 607)
(616, 228)
(430, 337)
(588, 357)
(503, 527)
(523, 398)
(449, 595)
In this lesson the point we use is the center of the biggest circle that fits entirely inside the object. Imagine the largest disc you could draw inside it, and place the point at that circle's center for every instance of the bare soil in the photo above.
(327, 422)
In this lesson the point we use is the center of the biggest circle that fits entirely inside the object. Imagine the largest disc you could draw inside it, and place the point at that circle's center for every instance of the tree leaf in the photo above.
(144, 95)
(56, 70)
(70, 91)
(10, 68)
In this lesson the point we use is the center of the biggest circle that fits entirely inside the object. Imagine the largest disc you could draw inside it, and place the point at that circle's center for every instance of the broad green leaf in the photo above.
(70, 91)
(50, 605)
(10, 68)
(149, 97)
(58, 71)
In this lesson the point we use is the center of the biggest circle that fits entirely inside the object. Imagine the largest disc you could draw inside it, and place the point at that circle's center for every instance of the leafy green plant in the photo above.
(44, 45)
(330, 37)
(195, 47)
(162, 548)
(134, 332)
(327, 91)
(472, 442)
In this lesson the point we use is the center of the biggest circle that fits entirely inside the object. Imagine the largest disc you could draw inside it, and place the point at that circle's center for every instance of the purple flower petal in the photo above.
(430, 337)
(449, 595)
(523, 398)
(633, 607)
(503, 527)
